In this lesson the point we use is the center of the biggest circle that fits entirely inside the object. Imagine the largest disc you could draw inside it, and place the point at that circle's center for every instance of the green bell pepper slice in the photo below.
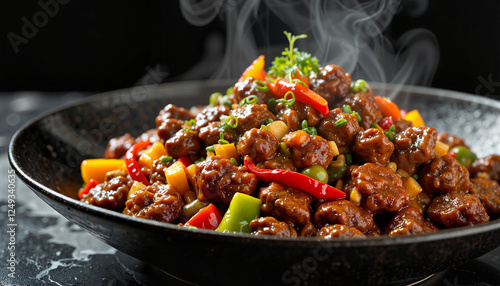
(242, 210)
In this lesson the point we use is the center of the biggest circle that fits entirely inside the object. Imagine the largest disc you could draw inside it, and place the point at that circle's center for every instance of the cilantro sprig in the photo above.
(293, 61)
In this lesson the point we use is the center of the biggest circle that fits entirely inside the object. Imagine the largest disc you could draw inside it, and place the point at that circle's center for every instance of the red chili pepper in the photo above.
(208, 217)
(85, 190)
(297, 180)
(303, 94)
(255, 70)
(452, 154)
(185, 161)
(131, 163)
(386, 122)
(387, 107)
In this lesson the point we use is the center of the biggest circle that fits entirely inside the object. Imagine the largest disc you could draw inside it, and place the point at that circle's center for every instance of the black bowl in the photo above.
(46, 154)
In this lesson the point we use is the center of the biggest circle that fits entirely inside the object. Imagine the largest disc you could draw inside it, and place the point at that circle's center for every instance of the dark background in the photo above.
(105, 45)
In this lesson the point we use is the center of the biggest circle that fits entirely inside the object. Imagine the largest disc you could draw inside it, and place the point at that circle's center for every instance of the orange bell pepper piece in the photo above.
(415, 118)
(97, 168)
(255, 70)
(387, 107)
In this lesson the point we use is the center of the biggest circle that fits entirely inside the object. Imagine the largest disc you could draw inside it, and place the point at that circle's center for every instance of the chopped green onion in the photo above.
(355, 113)
(165, 159)
(346, 108)
(222, 141)
(214, 98)
(224, 100)
(286, 101)
(210, 149)
(348, 159)
(186, 129)
(191, 122)
(234, 161)
(201, 159)
(261, 85)
(390, 133)
(284, 148)
(249, 100)
(301, 82)
(415, 176)
(311, 130)
(375, 125)
(359, 85)
(229, 122)
(229, 90)
(264, 127)
(269, 121)
(341, 122)
(271, 104)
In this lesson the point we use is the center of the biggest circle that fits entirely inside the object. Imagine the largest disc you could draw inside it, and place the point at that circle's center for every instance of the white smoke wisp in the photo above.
(348, 33)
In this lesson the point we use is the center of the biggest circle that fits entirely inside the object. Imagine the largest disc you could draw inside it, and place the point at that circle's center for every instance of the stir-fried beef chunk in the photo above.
(251, 116)
(307, 150)
(183, 143)
(345, 213)
(339, 231)
(294, 115)
(488, 192)
(332, 83)
(271, 226)
(249, 87)
(372, 146)
(444, 174)
(343, 135)
(174, 112)
(210, 114)
(413, 147)
(409, 221)
(117, 147)
(487, 167)
(451, 140)
(110, 194)
(364, 104)
(258, 144)
(453, 209)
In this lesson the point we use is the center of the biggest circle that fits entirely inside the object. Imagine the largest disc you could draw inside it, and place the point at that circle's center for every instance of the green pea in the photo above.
(316, 172)
(336, 170)
(464, 156)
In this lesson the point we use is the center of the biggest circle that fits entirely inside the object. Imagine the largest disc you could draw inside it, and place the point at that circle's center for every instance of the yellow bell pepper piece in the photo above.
(152, 153)
(97, 168)
(415, 118)
(176, 176)
(227, 151)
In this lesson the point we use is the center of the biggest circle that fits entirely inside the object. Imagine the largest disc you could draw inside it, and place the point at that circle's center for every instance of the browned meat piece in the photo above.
(381, 189)
(444, 174)
(251, 116)
(168, 128)
(307, 229)
(332, 83)
(365, 105)
(307, 150)
(453, 209)
(488, 192)
(298, 112)
(174, 112)
(210, 134)
(451, 140)
(413, 147)
(151, 135)
(117, 147)
(259, 144)
(421, 202)
(271, 226)
(218, 179)
(409, 221)
(158, 202)
(247, 87)
(110, 194)
(339, 231)
(278, 162)
(158, 171)
(489, 167)
(286, 203)
(343, 136)
(372, 146)
(210, 114)
(401, 125)
(183, 143)
(346, 213)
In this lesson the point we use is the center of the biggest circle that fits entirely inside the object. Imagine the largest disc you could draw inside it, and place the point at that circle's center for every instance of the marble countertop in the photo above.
(50, 250)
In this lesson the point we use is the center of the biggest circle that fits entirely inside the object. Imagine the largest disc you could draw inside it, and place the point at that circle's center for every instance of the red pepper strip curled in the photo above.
(89, 186)
(185, 161)
(208, 217)
(131, 163)
(303, 94)
(297, 180)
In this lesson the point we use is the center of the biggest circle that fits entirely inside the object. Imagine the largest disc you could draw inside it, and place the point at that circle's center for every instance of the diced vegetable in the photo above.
(333, 147)
(355, 196)
(316, 172)
(464, 156)
(242, 210)
(336, 170)
(176, 176)
(190, 209)
(255, 70)
(207, 218)
(412, 187)
(227, 151)
(97, 168)
(415, 118)
(132, 166)
(137, 186)
(387, 107)
(155, 152)
(441, 148)
(303, 94)
(279, 129)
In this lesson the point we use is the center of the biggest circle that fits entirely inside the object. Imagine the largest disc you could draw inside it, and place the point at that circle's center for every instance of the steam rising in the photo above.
(347, 33)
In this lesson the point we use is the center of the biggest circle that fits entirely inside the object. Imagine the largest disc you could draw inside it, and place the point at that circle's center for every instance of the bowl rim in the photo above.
(371, 241)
